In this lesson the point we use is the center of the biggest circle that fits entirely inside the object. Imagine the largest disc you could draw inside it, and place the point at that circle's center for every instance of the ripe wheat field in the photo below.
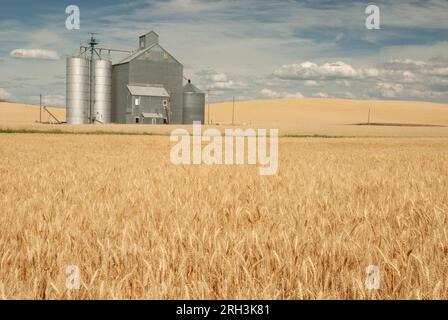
(139, 227)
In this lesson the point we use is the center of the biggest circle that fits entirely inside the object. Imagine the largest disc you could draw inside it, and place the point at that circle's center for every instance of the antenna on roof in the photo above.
(93, 42)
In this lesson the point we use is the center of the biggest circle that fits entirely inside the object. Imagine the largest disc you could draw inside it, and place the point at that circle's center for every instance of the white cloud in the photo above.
(425, 94)
(296, 95)
(389, 90)
(225, 85)
(408, 77)
(215, 81)
(405, 62)
(442, 72)
(219, 77)
(310, 83)
(5, 95)
(370, 72)
(268, 93)
(320, 95)
(311, 71)
(402, 78)
(34, 54)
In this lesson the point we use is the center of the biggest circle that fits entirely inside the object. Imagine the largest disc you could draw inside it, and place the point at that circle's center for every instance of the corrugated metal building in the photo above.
(149, 69)
(147, 104)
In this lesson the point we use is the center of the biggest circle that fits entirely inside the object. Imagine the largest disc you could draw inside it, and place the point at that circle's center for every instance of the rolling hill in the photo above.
(291, 116)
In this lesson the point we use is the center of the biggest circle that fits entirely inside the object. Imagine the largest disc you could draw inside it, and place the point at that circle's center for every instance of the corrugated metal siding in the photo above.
(153, 65)
(120, 79)
(102, 108)
(168, 74)
(77, 90)
(194, 107)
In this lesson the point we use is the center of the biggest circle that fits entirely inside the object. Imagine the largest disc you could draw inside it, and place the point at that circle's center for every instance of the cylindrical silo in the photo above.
(77, 90)
(102, 108)
(194, 104)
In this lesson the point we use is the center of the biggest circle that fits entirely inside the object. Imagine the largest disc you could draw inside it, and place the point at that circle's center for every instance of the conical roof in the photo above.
(189, 87)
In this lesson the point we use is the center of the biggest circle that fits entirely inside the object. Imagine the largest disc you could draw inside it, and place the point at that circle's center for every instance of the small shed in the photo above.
(147, 103)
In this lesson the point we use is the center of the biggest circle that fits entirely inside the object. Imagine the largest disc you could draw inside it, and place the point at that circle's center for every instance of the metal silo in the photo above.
(102, 108)
(77, 90)
(194, 104)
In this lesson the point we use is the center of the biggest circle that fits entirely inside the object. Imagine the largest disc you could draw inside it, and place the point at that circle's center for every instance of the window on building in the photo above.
(137, 101)
(165, 55)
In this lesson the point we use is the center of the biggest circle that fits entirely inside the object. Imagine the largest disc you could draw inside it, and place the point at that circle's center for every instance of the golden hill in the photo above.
(291, 116)
(14, 114)
(290, 112)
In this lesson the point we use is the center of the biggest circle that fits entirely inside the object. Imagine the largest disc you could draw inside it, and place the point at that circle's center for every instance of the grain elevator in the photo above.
(146, 87)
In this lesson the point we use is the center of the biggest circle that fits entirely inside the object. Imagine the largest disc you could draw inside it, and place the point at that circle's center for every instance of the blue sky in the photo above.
(251, 49)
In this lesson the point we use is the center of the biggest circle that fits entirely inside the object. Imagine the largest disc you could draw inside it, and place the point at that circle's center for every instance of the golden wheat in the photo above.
(139, 227)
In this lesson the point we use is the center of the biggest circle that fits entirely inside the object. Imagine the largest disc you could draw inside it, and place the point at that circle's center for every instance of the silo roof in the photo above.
(136, 54)
(189, 87)
(148, 91)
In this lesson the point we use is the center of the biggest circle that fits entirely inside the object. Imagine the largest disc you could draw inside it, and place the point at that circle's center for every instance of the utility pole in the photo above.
(368, 119)
(40, 108)
(233, 111)
(208, 102)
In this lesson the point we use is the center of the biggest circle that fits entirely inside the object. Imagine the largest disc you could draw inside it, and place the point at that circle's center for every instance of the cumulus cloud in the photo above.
(311, 71)
(442, 72)
(4, 94)
(216, 81)
(310, 83)
(393, 79)
(296, 95)
(407, 63)
(225, 85)
(369, 73)
(270, 94)
(389, 90)
(320, 95)
(218, 77)
(34, 54)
